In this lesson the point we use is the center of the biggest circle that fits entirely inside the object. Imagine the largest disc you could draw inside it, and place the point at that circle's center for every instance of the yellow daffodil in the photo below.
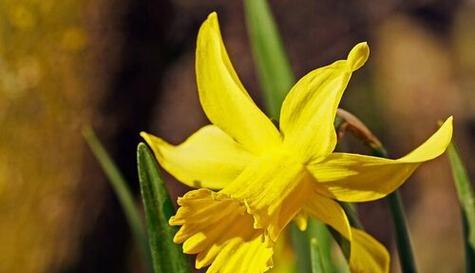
(254, 178)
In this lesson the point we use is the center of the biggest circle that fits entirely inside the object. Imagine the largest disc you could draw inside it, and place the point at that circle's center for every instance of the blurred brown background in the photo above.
(126, 66)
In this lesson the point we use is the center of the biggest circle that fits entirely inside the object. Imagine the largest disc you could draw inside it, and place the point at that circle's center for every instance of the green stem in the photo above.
(403, 239)
(469, 249)
(406, 257)
(353, 217)
(466, 198)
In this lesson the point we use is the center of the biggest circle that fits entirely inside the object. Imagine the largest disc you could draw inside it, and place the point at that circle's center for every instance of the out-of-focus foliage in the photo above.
(44, 97)
(467, 204)
(123, 193)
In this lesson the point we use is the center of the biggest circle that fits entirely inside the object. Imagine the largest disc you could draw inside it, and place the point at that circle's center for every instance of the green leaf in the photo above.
(320, 239)
(316, 257)
(122, 191)
(403, 239)
(273, 67)
(467, 203)
(167, 256)
(301, 247)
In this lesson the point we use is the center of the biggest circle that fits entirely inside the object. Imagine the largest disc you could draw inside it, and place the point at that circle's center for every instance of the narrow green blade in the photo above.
(273, 67)
(166, 256)
(301, 247)
(315, 257)
(403, 239)
(353, 217)
(124, 195)
(320, 239)
(467, 204)
(398, 215)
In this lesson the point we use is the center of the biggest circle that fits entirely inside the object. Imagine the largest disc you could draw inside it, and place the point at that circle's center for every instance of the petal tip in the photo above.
(212, 19)
(143, 134)
(199, 264)
(447, 125)
(213, 15)
(208, 27)
(358, 56)
(146, 137)
(434, 146)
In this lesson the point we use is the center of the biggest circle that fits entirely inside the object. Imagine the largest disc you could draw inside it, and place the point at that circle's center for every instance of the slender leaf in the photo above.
(167, 256)
(273, 67)
(316, 257)
(122, 191)
(467, 203)
(353, 217)
(398, 215)
(319, 232)
(404, 245)
(300, 245)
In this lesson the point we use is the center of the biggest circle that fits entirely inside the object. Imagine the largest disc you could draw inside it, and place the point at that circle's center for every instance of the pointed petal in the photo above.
(329, 212)
(273, 188)
(309, 109)
(367, 255)
(222, 96)
(218, 229)
(356, 178)
(209, 158)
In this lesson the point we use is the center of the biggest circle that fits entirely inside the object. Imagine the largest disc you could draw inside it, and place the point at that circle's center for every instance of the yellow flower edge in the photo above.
(253, 178)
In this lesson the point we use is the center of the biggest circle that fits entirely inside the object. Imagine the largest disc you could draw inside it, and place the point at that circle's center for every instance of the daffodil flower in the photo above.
(254, 178)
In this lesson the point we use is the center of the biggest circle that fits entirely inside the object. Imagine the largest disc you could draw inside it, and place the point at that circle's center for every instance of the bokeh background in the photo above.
(124, 66)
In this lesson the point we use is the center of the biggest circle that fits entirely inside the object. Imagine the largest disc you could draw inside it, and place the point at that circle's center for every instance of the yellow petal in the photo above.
(309, 109)
(329, 212)
(209, 158)
(219, 230)
(273, 188)
(367, 255)
(222, 96)
(356, 178)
